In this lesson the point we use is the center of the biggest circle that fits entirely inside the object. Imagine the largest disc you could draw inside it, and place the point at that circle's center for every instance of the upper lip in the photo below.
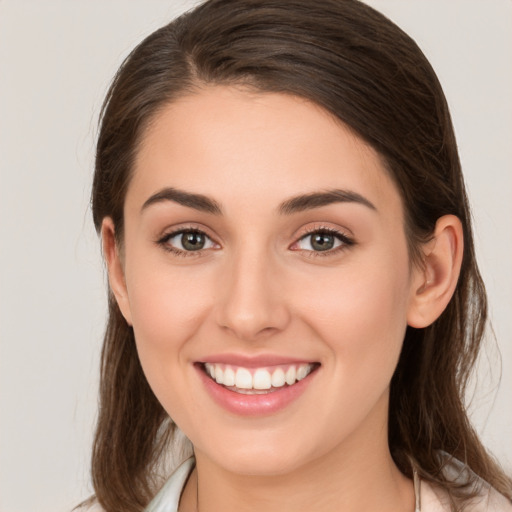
(253, 361)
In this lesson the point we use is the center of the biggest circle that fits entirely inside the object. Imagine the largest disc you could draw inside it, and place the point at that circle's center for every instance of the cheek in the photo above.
(361, 314)
(360, 317)
(167, 308)
(164, 299)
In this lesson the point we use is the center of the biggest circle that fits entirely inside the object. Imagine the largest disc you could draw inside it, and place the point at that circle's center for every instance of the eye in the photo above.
(189, 240)
(322, 240)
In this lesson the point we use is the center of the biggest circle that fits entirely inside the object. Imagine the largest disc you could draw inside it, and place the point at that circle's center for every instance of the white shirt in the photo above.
(428, 499)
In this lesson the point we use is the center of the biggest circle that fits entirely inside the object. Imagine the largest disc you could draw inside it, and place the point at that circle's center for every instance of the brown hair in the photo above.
(355, 63)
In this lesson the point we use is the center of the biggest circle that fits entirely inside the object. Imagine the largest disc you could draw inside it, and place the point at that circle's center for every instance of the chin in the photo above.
(261, 465)
(256, 457)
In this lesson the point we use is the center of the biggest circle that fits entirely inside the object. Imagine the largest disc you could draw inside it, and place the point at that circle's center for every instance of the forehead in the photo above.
(241, 147)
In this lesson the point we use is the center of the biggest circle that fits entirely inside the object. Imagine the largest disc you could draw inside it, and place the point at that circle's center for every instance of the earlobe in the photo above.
(435, 283)
(116, 278)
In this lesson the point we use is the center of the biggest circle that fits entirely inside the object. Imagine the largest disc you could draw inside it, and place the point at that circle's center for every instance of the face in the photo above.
(264, 248)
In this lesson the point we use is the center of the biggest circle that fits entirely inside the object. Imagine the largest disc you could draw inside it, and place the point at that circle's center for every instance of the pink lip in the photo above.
(253, 405)
(253, 361)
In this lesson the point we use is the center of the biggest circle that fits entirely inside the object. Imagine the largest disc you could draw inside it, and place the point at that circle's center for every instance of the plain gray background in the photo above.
(56, 60)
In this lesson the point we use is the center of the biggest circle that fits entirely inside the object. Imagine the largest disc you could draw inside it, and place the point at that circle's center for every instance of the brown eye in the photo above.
(193, 241)
(320, 241)
(188, 241)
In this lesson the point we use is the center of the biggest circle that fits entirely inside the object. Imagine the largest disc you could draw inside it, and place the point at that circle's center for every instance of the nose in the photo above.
(252, 303)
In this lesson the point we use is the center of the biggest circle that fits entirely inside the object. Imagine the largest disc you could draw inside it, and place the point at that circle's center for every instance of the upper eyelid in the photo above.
(323, 229)
(342, 236)
(319, 228)
(174, 231)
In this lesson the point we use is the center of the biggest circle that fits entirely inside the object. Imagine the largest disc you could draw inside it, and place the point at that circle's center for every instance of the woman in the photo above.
(292, 271)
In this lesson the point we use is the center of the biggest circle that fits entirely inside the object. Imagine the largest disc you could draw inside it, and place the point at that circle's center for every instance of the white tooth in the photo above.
(210, 369)
(229, 377)
(219, 375)
(262, 379)
(303, 371)
(278, 379)
(243, 379)
(291, 375)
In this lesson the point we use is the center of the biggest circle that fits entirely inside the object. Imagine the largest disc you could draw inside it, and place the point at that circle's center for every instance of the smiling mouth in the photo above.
(253, 381)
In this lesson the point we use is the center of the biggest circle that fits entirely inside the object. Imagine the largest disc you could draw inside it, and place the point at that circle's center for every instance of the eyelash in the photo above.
(346, 242)
(164, 242)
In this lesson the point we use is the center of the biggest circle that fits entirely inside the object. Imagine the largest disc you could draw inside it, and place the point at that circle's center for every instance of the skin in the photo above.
(258, 287)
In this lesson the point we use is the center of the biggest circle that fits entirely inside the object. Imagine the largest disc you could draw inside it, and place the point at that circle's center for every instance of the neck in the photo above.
(358, 475)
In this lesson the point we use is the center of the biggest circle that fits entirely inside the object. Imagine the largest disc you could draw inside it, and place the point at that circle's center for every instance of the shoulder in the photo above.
(434, 499)
(166, 499)
(485, 498)
(491, 501)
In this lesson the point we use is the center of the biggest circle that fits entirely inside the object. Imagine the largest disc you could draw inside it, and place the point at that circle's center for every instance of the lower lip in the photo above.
(254, 405)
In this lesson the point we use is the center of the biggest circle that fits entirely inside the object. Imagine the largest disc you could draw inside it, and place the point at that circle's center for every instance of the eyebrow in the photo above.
(324, 198)
(296, 204)
(195, 201)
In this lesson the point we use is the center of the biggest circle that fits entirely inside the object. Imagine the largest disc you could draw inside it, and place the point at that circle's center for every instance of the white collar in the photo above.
(427, 499)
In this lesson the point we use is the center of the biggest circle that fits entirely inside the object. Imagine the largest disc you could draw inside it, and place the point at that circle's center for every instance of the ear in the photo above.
(113, 259)
(435, 282)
